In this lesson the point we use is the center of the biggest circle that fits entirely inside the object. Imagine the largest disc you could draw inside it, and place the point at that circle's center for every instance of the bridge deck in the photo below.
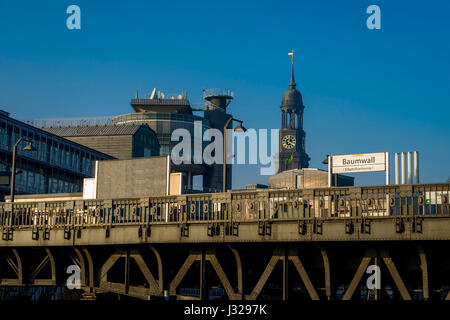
(399, 212)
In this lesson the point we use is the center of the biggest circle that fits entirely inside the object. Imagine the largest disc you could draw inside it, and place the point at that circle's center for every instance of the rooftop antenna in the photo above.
(137, 94)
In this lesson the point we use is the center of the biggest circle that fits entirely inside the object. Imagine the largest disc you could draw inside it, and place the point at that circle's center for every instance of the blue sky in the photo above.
(364, 90)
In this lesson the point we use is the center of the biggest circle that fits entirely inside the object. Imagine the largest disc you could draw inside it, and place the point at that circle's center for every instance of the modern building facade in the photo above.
(119, 141)
(178, 115)
(165, 115)
(57, 166)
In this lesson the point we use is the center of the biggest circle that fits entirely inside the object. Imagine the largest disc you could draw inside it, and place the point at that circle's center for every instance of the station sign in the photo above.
(366, 162)
(362, 162)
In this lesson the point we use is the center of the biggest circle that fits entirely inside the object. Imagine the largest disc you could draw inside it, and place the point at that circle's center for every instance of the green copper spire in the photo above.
(292, 82)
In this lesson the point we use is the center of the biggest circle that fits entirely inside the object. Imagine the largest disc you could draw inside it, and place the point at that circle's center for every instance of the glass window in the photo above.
(57, 155)
(147, 152)
(3, 136)
(68, 158)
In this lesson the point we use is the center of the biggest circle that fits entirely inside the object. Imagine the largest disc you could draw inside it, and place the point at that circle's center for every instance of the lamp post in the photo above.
(238, 128)
(28, 147)
(335, 175)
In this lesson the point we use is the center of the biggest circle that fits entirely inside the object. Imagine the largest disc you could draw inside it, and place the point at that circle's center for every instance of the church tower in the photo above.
(292, 153)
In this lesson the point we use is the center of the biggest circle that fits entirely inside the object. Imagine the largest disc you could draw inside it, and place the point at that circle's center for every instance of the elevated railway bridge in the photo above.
(252, 244)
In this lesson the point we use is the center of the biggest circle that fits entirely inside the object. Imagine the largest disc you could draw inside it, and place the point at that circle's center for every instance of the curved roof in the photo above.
(292, 97)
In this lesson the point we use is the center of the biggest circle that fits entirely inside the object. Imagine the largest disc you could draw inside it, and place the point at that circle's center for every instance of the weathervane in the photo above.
(292, 54)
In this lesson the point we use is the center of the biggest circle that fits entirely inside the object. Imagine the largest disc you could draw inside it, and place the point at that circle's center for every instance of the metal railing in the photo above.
(70, 122)
(218, 92)
(233, 207)
(133, 118)
(161, 101)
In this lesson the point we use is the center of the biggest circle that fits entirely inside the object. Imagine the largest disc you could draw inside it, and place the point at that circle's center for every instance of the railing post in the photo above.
(355, 195)
(308, 195)
(406, 193)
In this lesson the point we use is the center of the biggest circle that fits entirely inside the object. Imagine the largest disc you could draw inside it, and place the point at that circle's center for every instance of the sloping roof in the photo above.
(95, 130)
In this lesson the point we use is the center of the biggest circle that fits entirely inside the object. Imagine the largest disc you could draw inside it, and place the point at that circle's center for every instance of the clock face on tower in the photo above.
(288, 141)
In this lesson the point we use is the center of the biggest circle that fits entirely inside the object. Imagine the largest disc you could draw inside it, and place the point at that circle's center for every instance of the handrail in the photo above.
(70, 122)
(238, 206)
(218, 92)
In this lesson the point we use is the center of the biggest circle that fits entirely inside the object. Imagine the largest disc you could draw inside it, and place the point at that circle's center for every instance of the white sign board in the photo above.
(366, 162)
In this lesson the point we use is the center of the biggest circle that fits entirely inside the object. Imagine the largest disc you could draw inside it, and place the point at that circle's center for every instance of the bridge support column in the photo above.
(126, 288)
(16, 266)
(19, 267)
(280, 254)
(293, 256)
(395, 275)
(80, 262)
(285, 275)
(45, 282)
(193, 256)
(160, 267)
(203, 290)
(276, 256)
(370, 253)
(424, 268)
(104, 283)
(204, 255)
(240, 293)
(326, 267)
(90, 282)
(127, 270)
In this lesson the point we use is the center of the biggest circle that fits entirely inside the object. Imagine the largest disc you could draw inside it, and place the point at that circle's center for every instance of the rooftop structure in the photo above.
(306, 178)
(119, 141)
(163, 114)
(161, 105)
(219, 98)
